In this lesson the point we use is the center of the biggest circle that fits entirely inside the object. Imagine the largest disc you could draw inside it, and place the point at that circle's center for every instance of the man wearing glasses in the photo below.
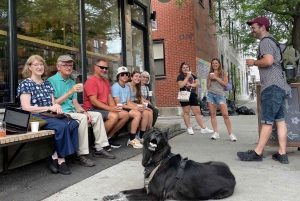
(65, 94)
(97, 97)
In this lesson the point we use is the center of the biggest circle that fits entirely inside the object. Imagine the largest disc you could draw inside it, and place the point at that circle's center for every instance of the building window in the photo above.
(159, 58)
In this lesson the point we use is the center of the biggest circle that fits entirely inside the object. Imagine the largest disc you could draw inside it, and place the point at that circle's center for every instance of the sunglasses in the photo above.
(103, 67)
(124, 74)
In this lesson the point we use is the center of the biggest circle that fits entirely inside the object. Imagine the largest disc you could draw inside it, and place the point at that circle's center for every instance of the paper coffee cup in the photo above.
(190, 72)
(120, 105)
(212, 73)
(34, 126)
(150, 93)
(140, 105)
(81, 85)
(145, 103)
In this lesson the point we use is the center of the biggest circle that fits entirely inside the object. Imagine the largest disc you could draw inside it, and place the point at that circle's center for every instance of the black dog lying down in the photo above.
(169, 176)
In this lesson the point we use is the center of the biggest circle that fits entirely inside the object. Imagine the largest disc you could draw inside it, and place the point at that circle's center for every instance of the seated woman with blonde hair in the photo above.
(36, 96)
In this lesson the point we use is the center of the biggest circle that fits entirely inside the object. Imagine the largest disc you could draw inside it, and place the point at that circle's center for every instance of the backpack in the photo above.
(281, 47)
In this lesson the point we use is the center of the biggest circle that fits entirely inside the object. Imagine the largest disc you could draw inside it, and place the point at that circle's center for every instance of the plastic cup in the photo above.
(190, 72)
(81, 85)
(150, 93)
(146, 104)
(120, 105)
(140, 105)
(2, 129)
(34, 126)
(211, 73)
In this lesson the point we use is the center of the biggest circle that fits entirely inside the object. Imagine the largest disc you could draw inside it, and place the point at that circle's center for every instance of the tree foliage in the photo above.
(284, 16)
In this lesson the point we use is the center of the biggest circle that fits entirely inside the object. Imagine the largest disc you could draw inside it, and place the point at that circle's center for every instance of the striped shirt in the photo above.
(273, 74)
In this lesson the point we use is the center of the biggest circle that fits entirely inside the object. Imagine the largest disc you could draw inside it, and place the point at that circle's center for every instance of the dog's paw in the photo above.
(115, 197)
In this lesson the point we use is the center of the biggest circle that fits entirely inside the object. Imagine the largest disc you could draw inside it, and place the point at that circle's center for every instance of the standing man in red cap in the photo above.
(273, 92)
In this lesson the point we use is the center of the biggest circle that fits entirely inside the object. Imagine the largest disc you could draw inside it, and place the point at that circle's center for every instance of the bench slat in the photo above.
(20, 137)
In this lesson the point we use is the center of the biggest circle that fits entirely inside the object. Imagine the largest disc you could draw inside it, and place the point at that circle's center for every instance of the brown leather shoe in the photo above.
(103, 154)
(84, 161)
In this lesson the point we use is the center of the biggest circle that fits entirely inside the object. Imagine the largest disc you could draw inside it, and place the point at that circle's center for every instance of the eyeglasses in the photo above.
(36, 65)
(67, 66)
(103, 67)
(124, 74)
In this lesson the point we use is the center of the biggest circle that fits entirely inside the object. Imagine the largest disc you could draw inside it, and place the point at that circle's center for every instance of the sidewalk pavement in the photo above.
(266, 180)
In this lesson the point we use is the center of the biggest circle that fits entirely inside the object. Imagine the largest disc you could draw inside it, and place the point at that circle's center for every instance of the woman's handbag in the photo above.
(184, 96)
(64, 116)
(229, 86)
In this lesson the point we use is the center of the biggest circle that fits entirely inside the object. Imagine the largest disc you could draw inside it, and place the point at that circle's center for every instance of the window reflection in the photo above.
(138, 14)
(103, 35)
(4, 57)
(138, 48)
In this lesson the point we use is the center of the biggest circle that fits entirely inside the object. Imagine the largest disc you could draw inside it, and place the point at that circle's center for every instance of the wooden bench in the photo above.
(21, 139)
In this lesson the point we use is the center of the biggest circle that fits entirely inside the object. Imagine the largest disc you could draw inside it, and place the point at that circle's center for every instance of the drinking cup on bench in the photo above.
(2, 129)
(34, 126)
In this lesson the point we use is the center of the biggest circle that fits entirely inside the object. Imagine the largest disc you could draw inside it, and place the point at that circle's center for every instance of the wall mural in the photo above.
(202, 68)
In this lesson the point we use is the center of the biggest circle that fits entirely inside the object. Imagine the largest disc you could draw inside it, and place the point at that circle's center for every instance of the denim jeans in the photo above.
(272, 105)
(216, 99)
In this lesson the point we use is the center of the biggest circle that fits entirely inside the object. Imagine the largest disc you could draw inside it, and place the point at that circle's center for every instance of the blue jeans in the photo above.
(216, 99)
(272, 105)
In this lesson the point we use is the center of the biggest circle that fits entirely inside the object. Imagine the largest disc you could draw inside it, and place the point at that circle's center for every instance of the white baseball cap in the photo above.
(122, 69)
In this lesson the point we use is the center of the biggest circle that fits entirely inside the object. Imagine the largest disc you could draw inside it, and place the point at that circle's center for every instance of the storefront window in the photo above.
(145, 2)
(138, 48)
(138, 14)
(49, 29)
(4, 58)
(103, 35)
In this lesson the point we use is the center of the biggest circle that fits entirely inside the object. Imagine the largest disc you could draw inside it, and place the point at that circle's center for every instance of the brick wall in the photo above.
(187, 34)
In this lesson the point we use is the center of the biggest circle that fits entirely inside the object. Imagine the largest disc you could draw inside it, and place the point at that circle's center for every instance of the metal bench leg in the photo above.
(7, 162)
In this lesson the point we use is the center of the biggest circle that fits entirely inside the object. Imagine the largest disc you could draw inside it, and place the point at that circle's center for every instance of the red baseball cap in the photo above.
(260, 20)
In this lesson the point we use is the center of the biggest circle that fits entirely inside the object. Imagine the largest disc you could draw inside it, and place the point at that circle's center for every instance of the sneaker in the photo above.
(232, 137)
(107, 148)
(190, 131)
(83, 160)
(206, 130)
(215, 136)
(114, 144)
(139, 139)
(135, 144)
(249, 155)
(103, 154)
(281, 158)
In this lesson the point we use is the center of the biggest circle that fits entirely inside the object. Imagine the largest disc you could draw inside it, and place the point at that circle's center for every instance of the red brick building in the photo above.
(185, 34)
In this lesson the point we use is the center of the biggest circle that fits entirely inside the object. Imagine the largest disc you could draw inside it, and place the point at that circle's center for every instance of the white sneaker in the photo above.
(135, 144)
(215, 136)
(232, 137)
(190, 131)
(206, 130)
